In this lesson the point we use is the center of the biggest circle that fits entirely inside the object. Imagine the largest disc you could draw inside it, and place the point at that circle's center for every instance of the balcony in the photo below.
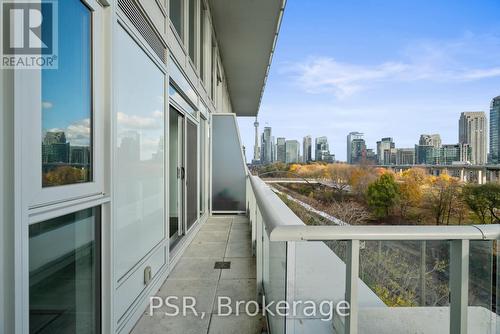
(396, 279)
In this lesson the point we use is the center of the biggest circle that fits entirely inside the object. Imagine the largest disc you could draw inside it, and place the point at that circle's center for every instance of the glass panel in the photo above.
(228, 167)
(64, 274)
(274, 279)
(67, 101)
(180, 100)
(139, 153)
(175, 181)
(482, 311)
(192, 27)
(202, 42)
(191, 174)
(319, 277)
(407, 286)
(176, 16)
(203, 164)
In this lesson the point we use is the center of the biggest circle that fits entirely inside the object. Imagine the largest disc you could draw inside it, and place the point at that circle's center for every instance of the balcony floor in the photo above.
(225, 238)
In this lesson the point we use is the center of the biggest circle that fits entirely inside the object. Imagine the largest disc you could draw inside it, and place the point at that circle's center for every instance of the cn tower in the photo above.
(256, 153)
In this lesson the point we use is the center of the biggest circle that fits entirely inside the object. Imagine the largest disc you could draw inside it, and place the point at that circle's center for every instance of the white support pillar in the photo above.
(480, 177)
(351, 286)
(459, 286)
(462, 175)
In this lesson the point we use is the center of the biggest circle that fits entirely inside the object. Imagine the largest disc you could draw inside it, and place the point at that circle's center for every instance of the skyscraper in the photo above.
(321, 149)
(280, 149)
(357, 153)
(292, 151)
(495, 130)
(385, 144)
(472, 130)
(266, 151)
(307, 149)
(350, 137)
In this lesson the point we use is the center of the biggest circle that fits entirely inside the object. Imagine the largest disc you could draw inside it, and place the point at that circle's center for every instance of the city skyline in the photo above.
(430, 147)
(408, 76)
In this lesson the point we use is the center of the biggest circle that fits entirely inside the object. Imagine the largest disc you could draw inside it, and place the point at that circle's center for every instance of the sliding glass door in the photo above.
(183, 175)
(177, 176)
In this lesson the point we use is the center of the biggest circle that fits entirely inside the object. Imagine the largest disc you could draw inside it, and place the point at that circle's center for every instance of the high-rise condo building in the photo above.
(350, 137)
(385, 144)
(292, 151)
(307, 149)
(266, 151)
(322, 150)
(280, 149)
(357, 153)
(495, 130)
(472, 128)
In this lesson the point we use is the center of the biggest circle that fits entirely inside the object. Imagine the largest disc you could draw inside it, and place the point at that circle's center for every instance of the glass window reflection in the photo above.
(67, 101)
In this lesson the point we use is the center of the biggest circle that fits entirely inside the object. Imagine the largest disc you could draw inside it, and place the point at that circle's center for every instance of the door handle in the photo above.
(183, 173)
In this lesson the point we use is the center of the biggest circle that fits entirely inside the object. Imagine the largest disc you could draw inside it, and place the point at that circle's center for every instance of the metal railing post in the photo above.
(459, 286)
(351, 286)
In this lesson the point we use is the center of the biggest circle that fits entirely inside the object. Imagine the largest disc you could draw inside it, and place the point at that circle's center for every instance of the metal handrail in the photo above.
(282, 224)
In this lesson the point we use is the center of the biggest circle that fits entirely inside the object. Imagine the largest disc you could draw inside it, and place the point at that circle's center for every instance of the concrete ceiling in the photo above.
(246, 31)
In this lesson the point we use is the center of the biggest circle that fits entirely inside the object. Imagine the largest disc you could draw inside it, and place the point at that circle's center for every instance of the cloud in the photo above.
(78, 133)
(138, 122)
(47, 105)
(460, 60)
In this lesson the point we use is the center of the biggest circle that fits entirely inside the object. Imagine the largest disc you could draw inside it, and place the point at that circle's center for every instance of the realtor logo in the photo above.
(29, 38)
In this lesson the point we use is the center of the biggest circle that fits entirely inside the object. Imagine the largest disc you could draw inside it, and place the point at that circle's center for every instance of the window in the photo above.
(203, 163)
(192, 30)
(139, 152)
(67, 102)
(64, 274)
(176, 16)
(213, 76)
(202, 41)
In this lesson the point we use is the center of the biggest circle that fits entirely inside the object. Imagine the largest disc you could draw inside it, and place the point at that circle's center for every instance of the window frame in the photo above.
(31, 204)
(28, 97)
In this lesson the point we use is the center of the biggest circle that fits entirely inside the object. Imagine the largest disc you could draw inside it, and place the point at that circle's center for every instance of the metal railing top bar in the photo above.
(283, 225)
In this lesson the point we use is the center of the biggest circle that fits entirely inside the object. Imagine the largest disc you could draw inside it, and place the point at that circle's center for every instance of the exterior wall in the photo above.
(123, 301)
(6, 203)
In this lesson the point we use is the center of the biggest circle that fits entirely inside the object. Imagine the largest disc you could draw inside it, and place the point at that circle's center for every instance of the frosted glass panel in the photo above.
(139, 178)
(191, 174)
(228, 182)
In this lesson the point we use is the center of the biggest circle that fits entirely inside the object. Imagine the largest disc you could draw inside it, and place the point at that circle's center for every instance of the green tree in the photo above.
(382, 194)
(484, 201)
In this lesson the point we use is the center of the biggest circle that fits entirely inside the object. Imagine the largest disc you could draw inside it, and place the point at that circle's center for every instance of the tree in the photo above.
(484, 201)
(443, 196)
(338, 176)
(360, 179)
(410, 189)
(349, 212)
(383, 194)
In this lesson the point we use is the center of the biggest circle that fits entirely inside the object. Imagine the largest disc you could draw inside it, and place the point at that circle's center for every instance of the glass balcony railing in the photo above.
(372, 279)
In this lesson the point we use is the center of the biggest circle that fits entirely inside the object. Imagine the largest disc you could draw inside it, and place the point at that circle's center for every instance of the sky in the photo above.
(66, 92)
(387, 68)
